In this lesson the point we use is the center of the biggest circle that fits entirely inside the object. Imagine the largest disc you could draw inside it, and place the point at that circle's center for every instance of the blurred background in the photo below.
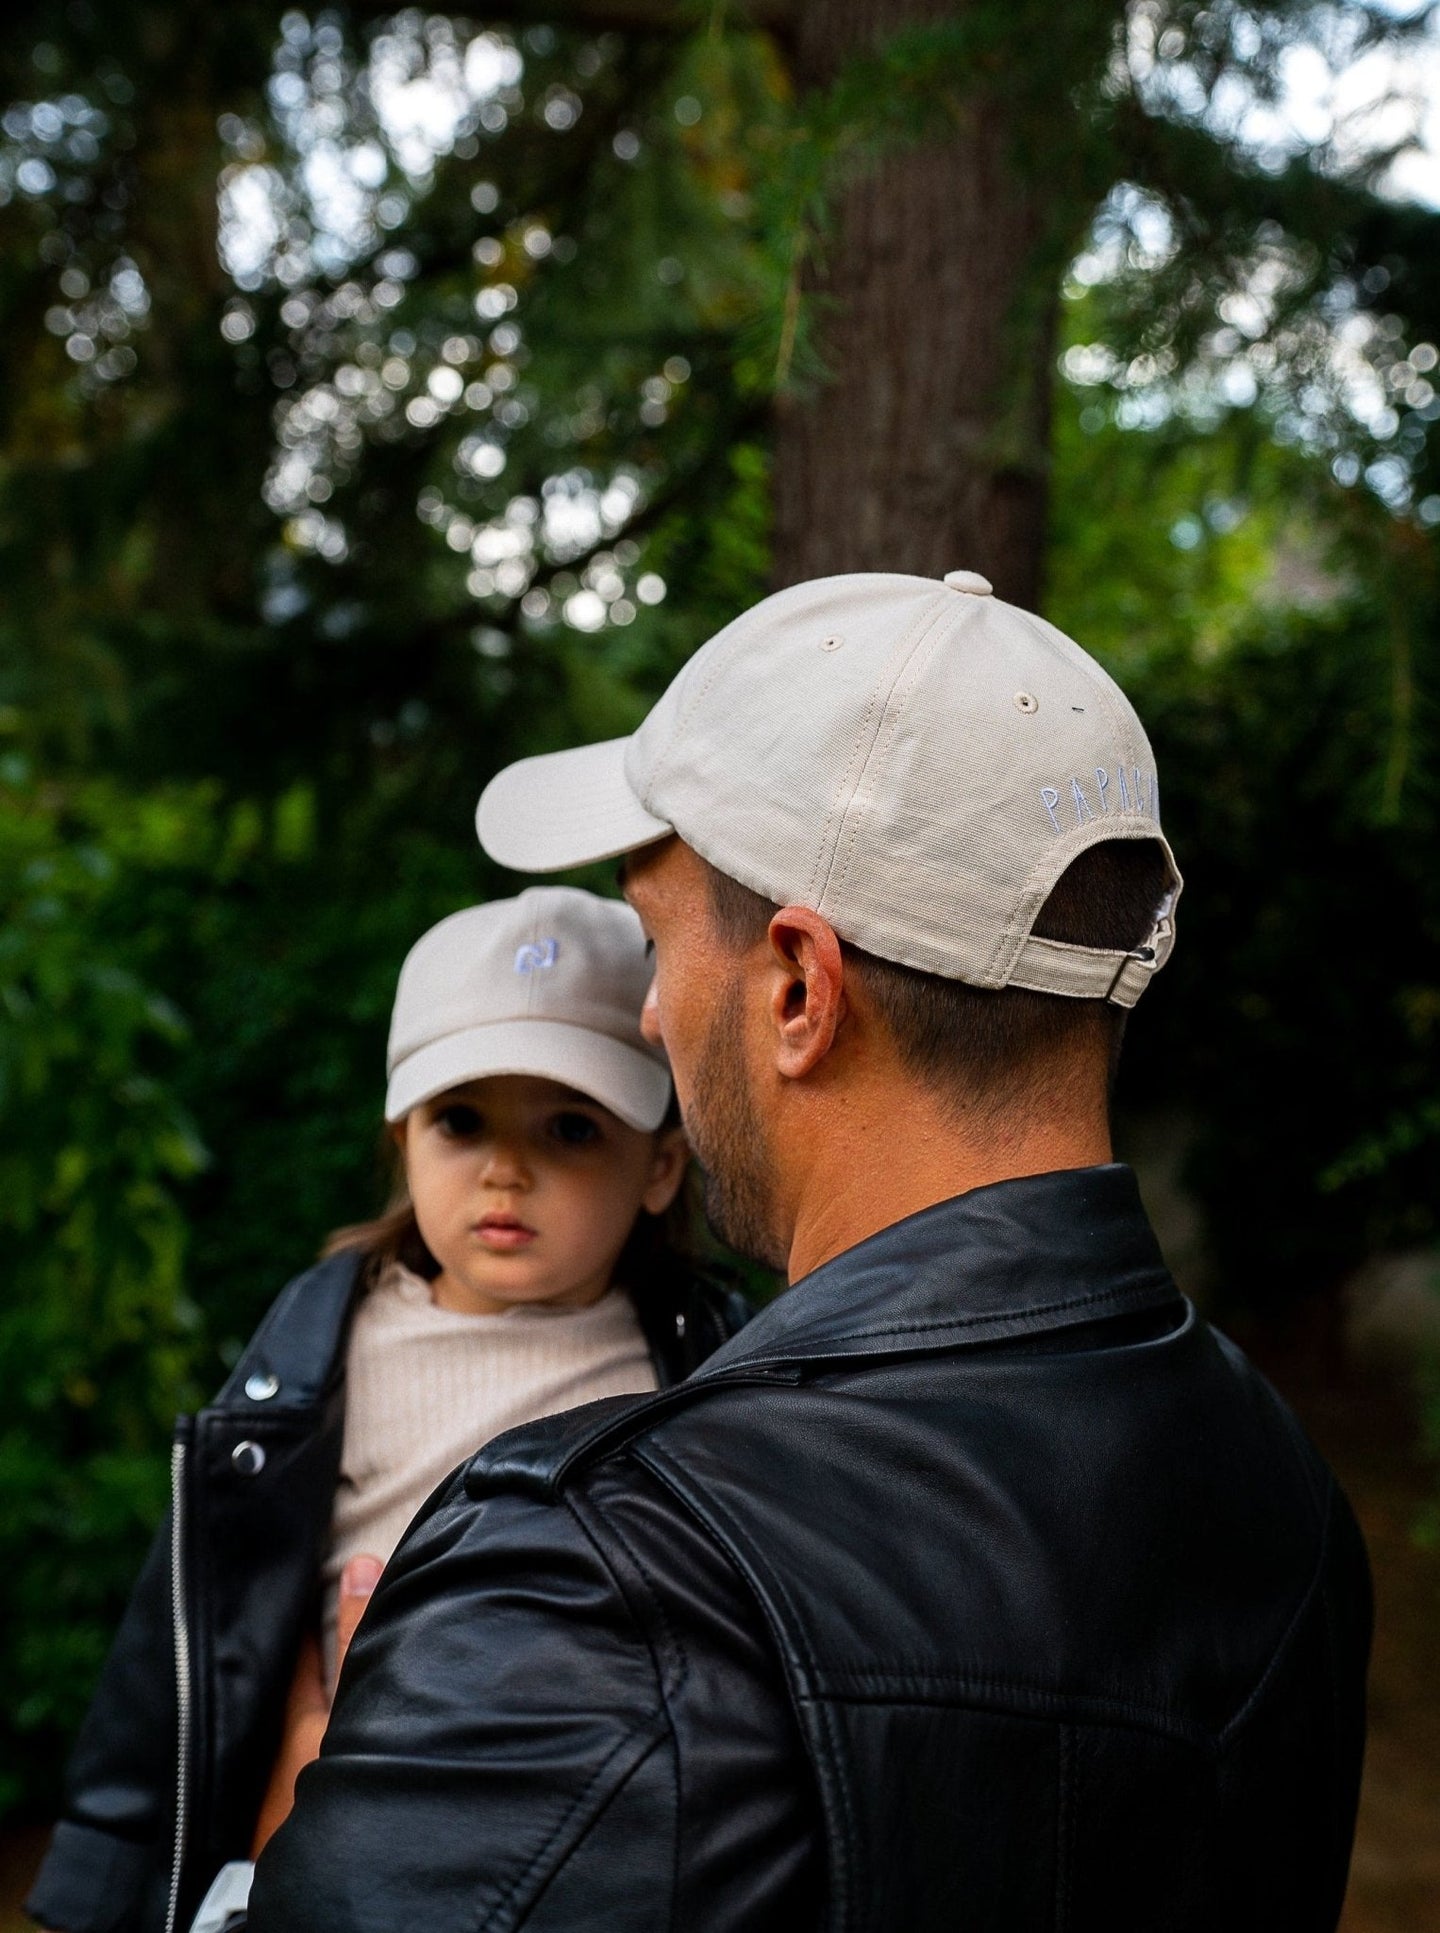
(388, 395)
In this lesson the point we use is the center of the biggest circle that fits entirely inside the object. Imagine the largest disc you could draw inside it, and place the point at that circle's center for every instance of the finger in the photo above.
(307, 1707)
(357, 1584)
(307, 1687)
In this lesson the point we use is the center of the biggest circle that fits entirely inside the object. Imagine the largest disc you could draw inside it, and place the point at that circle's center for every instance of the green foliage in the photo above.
(96, 1332)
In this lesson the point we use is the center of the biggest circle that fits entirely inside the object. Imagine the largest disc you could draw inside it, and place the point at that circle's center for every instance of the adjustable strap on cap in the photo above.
(1091, 972)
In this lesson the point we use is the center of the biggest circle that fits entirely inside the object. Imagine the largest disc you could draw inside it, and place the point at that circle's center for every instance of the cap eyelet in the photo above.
(831, 644)
(1027, 702)
(248, 1458)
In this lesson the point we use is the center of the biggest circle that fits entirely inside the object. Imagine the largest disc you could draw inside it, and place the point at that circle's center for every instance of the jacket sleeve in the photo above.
(497, 1699)
(526, 1701)
(107, 1870)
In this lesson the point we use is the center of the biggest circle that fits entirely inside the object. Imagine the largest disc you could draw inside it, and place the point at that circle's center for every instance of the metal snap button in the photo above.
(1026, 701)
(679, 1323)
(248, 1458)
(261, 1385)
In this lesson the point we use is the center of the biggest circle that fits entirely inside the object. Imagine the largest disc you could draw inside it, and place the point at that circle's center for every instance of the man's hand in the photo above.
(307, 1709)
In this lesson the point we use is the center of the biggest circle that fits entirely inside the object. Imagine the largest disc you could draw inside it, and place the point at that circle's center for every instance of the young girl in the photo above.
(531, 1261)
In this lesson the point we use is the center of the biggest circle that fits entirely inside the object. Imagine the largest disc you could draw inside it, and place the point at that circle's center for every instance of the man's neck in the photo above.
(862, 1167)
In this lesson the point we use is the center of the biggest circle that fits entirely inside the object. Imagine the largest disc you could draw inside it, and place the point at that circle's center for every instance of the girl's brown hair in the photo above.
(391, 1236)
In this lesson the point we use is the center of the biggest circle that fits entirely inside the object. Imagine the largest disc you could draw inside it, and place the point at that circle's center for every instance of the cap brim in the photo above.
(621, 1077)
(562, 809)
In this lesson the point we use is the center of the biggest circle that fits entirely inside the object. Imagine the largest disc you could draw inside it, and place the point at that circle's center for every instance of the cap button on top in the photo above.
(970, 581)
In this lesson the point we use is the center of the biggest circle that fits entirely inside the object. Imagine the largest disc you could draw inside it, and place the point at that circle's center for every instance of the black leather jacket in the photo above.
(977, 1583)
(253, 1488)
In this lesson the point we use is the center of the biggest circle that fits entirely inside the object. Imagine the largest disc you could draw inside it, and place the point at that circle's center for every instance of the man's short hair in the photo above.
(985, 1046)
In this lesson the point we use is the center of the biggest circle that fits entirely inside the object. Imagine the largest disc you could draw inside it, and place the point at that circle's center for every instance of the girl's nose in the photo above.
(504, 1166)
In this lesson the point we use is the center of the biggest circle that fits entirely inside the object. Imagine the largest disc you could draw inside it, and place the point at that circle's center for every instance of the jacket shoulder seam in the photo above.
(799, 1667)
(604, 1527)
(640, 1740)
(667, 1684)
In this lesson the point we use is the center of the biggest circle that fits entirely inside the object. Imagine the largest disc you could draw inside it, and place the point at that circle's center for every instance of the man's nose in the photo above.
(650, 1016)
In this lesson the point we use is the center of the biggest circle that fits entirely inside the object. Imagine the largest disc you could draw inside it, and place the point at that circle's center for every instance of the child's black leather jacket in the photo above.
(220, 1605)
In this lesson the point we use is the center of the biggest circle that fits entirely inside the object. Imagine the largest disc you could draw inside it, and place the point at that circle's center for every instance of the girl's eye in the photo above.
(459, 1121)
(575, 1130)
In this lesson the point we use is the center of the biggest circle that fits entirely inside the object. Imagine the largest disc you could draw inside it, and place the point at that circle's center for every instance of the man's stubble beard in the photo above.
(731, 1145)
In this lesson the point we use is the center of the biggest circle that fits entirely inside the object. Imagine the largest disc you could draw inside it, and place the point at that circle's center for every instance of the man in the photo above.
(977, 1583)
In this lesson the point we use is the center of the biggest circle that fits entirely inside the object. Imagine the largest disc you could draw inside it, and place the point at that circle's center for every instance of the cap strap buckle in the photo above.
(1132, 976)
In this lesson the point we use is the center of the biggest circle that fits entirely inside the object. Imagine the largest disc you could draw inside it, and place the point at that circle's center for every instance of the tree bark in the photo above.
(926, 450)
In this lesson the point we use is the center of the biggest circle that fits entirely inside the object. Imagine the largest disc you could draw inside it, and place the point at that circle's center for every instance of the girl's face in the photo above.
(525, 1190)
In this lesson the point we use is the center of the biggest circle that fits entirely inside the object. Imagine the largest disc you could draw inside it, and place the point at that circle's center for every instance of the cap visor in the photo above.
(623, 1078)
(542, 815)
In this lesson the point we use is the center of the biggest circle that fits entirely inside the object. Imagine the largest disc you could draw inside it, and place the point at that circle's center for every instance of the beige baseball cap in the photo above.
(550, 983)
(914, 759)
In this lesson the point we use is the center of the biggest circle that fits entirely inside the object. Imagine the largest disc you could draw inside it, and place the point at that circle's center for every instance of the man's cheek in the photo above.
(678, 1050)
(666, 1013)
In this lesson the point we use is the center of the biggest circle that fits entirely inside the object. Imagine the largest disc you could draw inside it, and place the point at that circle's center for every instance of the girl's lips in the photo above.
(504, 1233)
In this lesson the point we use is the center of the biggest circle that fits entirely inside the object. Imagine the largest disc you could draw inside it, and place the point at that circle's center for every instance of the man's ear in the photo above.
(807, 998)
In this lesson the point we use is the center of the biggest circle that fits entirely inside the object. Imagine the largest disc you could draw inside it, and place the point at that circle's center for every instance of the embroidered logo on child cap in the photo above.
(536, 956)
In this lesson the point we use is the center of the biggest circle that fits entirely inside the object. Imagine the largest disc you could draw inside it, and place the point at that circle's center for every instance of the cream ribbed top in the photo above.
(425, 1387)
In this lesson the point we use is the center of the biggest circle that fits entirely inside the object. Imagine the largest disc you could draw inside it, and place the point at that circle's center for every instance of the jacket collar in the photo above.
(1018, 1258)
(293, 1356)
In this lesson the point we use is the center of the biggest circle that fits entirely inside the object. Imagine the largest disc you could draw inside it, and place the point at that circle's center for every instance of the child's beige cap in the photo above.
(915, 760)
(550, 983)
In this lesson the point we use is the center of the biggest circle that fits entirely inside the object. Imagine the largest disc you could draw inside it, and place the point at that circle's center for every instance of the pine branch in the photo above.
(1221, 195)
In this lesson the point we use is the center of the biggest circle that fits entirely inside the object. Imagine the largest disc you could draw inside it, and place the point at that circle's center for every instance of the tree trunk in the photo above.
(925, 450)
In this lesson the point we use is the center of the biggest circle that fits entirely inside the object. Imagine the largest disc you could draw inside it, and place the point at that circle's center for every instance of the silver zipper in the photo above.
(182, 1674)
